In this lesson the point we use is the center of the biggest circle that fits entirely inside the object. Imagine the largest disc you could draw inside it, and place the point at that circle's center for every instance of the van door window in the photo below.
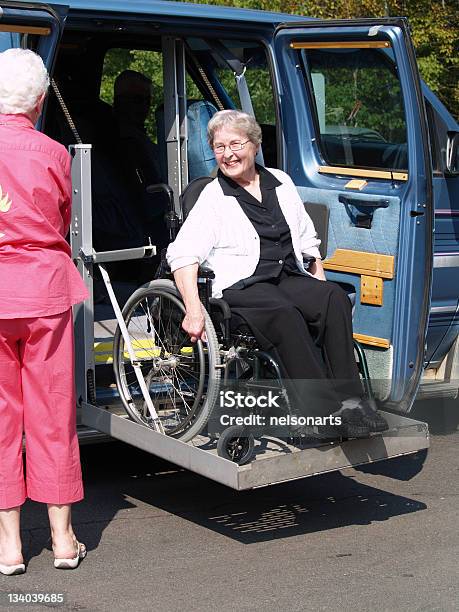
(359, 107)
(9, 40)
(434, 130)
(21, 37)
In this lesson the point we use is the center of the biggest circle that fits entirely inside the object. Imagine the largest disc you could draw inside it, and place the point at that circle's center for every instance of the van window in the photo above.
(434, 130)
(259, 84)
(359, 107)
(146, 62)
(9, 40)
(20, 40)
(257, 74)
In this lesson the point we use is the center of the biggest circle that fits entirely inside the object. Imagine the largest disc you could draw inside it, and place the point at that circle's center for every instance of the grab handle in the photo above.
(359, 203)
(361, 211)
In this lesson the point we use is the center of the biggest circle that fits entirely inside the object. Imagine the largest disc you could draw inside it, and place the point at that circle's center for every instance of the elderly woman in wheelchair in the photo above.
(248, 253)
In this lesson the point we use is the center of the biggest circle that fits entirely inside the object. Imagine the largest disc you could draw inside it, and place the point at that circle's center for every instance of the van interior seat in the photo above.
(268, 145)
(201, 160)
(320, 216)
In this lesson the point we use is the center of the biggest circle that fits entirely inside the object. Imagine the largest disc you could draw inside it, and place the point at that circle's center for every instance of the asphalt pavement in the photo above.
(160, 538)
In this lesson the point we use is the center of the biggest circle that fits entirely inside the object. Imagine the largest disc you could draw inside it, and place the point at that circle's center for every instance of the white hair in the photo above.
(237, 120)
(23, 80)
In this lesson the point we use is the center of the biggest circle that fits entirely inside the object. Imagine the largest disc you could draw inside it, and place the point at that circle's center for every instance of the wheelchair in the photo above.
(184, 379)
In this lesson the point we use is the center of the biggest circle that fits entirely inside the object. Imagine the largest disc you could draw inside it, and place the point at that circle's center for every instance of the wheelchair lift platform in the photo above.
(274, 461)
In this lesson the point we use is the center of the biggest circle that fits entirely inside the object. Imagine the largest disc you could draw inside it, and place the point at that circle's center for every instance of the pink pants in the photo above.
(37, 397)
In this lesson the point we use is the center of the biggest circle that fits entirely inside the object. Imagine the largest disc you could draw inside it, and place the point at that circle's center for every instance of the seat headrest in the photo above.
(201, 159)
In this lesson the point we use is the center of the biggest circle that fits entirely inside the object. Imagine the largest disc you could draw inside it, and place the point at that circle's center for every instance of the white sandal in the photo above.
(12, 570)
(74, 562)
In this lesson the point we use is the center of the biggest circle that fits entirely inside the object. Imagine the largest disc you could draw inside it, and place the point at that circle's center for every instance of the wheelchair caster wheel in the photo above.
(236, 445)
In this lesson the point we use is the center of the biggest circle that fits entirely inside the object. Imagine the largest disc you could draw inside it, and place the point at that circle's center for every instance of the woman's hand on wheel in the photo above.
(194, 321)
(194, 324)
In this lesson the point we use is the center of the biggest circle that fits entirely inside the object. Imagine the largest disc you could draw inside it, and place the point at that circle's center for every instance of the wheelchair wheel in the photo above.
(236, 445)
(181, 376)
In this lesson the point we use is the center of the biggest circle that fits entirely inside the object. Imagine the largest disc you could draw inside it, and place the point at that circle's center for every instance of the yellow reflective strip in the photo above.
(142, 354)
(144, 348)
(103, 358)
(99, 347)
(143, 343)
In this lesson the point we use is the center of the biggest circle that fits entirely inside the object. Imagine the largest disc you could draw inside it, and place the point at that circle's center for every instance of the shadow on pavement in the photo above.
(442, 417)
(399, 468)
(116, 473)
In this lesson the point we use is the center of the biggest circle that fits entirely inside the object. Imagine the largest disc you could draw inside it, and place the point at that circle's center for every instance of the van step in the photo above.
(437, 388)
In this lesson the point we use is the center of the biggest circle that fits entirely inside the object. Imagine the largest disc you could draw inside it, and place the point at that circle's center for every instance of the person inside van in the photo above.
(131, 105)
(249, 226)
(39, 285)
(124, 165)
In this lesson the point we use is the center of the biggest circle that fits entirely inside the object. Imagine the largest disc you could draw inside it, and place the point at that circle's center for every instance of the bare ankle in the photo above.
(62, 532)
(11, 551)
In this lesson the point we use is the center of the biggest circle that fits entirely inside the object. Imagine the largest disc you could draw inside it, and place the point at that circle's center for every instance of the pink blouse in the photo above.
(37, 276)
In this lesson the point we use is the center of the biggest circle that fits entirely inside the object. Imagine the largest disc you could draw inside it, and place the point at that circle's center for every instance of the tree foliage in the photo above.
(434, 25)
(435, 32)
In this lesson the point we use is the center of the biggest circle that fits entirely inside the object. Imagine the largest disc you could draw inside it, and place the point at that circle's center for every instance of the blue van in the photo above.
(372, 150)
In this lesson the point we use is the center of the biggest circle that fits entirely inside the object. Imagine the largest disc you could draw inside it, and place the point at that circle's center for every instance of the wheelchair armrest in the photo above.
(224, 310)
(165, 270)
(205, 276)
(308, 261)
(205, 273)
(223, 306)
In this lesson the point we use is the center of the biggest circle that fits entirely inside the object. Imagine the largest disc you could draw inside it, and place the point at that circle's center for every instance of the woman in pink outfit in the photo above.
(39, 283)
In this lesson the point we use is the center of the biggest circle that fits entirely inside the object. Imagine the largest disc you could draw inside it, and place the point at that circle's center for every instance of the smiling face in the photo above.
(237, 165)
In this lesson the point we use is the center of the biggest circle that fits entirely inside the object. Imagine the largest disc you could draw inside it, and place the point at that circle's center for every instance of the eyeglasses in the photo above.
(233, 146)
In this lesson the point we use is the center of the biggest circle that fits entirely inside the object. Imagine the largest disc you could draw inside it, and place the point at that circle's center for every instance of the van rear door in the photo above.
(356, 139)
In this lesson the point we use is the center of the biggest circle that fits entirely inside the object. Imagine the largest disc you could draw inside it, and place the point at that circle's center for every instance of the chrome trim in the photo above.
(446, 212)
(439, 309)
(446, 261)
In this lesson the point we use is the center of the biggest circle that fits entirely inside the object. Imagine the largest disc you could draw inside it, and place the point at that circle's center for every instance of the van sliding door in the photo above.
(356, 140)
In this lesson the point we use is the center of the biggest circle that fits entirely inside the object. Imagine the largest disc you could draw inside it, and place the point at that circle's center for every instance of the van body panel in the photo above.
(177, 9)
(444, 315)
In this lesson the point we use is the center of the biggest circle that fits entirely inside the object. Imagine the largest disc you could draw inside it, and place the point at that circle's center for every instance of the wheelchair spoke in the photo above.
(182, 397)
(185, 384)
(174, 369)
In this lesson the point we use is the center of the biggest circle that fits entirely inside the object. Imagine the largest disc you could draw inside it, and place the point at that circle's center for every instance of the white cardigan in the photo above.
(219, 235)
